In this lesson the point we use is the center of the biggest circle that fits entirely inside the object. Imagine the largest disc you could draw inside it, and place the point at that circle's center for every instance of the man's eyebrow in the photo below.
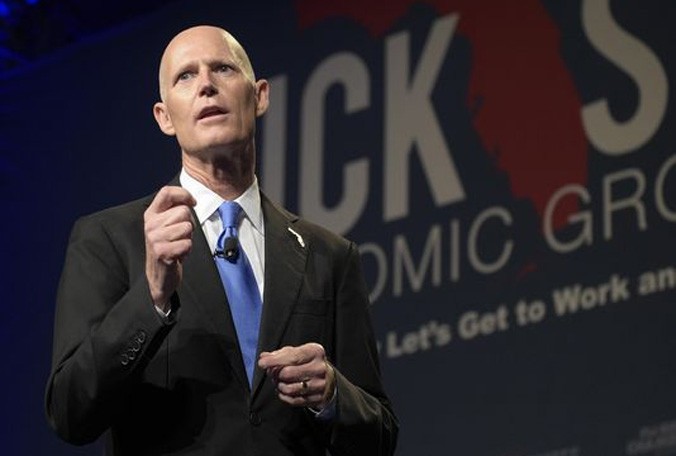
(181, 68)
(222, 60)
(191, 65)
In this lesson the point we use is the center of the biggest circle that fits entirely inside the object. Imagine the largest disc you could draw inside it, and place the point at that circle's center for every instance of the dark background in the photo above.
(77, 86)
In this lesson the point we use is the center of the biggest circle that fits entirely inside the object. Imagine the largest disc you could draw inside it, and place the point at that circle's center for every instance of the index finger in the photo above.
(170, 196)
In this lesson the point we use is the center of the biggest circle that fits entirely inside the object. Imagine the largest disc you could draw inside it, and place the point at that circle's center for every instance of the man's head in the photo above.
(210, 98)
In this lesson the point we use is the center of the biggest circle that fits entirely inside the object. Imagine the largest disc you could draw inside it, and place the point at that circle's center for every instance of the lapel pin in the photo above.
(299, 238)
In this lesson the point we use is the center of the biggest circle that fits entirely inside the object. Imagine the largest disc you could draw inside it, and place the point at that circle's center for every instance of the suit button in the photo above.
(254, 419)
(141, 336)
(135, 346)
(124, 359)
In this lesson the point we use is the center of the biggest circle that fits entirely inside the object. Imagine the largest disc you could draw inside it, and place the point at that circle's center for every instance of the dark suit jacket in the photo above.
(179, 386)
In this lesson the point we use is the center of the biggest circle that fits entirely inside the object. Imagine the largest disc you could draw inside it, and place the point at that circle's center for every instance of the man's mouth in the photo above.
(211, 111)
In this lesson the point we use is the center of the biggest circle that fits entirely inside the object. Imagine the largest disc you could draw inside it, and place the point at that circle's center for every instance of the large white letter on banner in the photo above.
(273, 165)
(642, 65)
(349, 71)
(410, 121)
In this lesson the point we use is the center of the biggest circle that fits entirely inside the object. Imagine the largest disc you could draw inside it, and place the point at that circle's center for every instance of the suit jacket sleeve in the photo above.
(105, 327)
(365, 423)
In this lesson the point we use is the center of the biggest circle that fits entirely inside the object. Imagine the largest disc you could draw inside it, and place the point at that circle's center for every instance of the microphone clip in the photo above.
(230, 250)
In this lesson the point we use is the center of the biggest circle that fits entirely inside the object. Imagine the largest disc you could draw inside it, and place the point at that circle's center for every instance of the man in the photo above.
(148, 342)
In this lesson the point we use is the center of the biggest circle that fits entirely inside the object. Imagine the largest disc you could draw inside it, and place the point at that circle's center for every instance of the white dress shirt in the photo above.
(251, 230)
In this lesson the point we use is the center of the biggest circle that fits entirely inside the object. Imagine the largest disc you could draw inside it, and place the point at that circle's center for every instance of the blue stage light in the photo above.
(4, 10)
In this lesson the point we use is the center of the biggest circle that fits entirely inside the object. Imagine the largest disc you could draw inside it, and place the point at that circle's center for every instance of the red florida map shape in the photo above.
(524, 104)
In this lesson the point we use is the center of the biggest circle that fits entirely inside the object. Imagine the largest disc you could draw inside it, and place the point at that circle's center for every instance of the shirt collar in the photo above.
(208, 201)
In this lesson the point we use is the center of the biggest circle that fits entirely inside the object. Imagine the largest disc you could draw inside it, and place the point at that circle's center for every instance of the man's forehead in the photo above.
(187, 48)
(201, 44)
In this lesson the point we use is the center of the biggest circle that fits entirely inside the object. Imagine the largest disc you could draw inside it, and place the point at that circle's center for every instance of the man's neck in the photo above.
(227, 176)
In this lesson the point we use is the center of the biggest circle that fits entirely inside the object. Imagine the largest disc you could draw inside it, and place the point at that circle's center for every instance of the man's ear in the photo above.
(163, 119)
(262, 96)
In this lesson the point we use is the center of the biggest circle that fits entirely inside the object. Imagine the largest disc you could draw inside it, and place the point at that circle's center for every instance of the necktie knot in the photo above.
(229, 212)
(227, 244)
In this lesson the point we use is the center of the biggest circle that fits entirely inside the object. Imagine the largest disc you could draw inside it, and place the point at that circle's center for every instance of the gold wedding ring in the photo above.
(303, 387)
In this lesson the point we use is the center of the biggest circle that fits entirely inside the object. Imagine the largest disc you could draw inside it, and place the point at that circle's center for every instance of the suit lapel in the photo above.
(201, 287)
(285, 259)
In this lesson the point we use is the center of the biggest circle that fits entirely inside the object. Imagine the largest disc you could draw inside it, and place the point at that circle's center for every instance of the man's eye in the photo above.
(223, 68)
(184, 76)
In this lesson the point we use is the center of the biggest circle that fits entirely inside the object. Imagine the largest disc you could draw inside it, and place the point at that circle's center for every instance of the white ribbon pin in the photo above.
(299, 238)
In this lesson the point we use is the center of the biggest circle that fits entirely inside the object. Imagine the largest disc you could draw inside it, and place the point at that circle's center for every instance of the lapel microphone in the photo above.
(230, 249)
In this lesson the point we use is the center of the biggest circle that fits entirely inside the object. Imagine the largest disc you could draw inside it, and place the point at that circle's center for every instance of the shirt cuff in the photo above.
(165, 316)
(328, 412)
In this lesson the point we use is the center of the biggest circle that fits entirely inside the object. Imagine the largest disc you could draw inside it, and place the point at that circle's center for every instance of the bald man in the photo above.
(146, 343)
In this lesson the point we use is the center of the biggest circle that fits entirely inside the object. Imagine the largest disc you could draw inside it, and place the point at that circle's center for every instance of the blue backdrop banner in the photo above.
(508, 170)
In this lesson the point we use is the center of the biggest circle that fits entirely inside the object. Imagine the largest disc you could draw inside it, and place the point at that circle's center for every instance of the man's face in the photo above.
(210, 101)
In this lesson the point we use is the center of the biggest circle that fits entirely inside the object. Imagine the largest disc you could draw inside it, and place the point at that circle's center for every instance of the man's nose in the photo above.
(207, 87)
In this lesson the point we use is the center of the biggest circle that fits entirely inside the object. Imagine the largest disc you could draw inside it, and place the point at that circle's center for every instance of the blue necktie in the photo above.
(240, 285)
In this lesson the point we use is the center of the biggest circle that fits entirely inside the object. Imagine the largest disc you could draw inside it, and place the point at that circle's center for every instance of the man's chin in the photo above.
(225, 149)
